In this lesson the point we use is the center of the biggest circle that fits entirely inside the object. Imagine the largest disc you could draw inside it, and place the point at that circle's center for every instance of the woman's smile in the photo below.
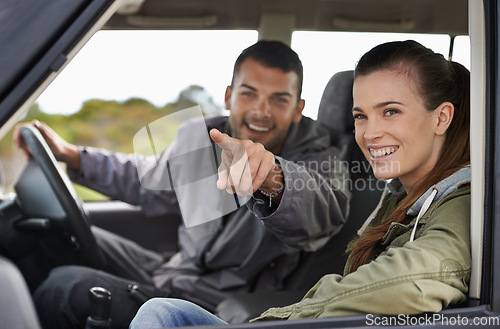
(378, 153)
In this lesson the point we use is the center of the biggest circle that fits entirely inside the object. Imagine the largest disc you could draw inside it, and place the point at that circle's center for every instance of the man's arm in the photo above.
(313, 206)
(310, 205)
(112, 174)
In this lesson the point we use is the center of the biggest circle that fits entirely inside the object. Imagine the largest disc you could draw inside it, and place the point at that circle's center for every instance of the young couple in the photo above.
(411, 112)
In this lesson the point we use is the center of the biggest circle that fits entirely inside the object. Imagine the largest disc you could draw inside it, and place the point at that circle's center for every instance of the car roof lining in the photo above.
(409, 16)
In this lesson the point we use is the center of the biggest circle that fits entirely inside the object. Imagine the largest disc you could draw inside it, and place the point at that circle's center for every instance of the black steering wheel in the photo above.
(74, 219)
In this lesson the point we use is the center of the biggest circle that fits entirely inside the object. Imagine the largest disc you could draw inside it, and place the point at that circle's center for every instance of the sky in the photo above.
(157, 65)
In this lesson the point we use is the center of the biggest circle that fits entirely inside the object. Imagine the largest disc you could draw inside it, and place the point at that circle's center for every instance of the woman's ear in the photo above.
(445, 114)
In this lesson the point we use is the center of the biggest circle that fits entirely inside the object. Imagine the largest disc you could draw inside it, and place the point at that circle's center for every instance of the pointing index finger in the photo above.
(222, 139)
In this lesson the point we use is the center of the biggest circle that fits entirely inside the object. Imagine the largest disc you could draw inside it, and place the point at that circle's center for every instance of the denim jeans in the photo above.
(171, 312)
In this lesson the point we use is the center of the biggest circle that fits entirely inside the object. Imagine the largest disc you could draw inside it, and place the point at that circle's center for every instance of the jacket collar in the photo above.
(444, 187)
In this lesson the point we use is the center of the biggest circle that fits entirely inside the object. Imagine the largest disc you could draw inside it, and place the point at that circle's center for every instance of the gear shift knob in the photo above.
(100, 309)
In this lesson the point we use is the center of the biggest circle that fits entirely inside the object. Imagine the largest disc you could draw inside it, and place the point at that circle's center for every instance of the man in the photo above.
(296, 201)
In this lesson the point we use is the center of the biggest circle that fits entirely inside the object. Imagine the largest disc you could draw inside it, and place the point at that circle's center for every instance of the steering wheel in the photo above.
(75, 219)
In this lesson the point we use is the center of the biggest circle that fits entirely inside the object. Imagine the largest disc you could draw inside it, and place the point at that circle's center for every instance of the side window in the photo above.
(151, 65)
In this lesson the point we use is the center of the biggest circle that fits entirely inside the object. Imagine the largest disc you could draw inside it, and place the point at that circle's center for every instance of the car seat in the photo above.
(16, 305)
(335, 112)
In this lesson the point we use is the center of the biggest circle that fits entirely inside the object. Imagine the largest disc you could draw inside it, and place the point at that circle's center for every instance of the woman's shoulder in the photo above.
(453, 209)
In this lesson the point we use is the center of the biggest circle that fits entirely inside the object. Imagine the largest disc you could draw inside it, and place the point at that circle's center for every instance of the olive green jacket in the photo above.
(409, 277)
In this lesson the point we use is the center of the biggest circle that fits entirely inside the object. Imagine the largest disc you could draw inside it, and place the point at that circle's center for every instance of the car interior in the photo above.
(42, 37)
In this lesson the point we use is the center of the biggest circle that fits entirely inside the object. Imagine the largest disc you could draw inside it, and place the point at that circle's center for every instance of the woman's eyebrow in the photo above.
(384, 104)
(378, 106)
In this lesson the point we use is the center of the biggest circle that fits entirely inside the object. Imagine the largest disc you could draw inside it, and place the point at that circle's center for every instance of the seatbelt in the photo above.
(210, 243)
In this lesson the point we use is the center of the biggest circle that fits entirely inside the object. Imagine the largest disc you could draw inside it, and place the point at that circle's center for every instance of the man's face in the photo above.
(263, 104)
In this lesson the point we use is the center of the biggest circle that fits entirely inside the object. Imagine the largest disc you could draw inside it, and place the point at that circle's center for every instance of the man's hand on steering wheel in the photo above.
(62, 150)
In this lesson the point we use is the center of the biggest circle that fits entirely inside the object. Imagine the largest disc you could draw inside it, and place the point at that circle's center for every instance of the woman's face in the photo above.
(396, 133)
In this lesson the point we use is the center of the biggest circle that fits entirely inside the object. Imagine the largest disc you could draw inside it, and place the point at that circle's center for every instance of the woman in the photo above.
(411, 113)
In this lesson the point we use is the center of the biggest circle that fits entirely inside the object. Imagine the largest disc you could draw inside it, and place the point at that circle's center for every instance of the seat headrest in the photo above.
(335, 108)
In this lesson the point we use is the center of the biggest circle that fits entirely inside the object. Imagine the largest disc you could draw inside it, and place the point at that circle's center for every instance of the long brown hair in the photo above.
(436, 80)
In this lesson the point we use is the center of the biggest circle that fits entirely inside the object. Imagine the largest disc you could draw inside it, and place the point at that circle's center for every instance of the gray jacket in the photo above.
(253, 248)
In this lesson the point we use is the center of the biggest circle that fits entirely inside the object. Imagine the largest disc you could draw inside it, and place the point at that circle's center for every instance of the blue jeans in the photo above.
(171, 312)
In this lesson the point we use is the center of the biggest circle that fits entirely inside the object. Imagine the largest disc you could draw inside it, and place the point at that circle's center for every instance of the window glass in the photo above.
(158, 65)
(152, 65)
(111, 87)
(461, 50)
(123, 80)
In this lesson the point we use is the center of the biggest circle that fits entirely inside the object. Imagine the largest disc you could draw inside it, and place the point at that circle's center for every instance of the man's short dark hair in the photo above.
(273, 54)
